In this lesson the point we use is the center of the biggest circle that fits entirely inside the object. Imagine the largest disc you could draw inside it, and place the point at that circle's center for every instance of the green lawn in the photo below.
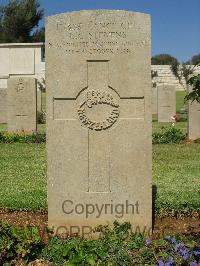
(23, 176)
(176, 174)
(43, 100)
(3, 127)
(176, 171)
(180, 95)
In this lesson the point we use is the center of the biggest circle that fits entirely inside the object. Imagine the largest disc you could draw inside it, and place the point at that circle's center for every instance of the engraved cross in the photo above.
(99, 109)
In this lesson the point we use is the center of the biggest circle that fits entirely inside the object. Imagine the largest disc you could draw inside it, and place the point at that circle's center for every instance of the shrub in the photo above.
(22, 137)
(75, 252)
(41, 117)
(118, 246)
(168, 135)
(19, 243)
(183, 118)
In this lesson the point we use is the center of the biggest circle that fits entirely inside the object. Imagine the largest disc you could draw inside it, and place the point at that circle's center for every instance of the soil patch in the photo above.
(162, 226)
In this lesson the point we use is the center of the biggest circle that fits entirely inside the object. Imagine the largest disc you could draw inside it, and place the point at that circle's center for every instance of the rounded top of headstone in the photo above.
(97, 12)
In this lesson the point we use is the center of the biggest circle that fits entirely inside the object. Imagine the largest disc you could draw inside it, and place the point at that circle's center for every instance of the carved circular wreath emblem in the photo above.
(98, 97)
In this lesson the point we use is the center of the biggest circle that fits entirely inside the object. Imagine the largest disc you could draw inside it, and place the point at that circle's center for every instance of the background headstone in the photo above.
(166, 103)
(98, 77)
(39, 100)
(22, 104)
(154, 99)
(3, 105)
(193, 120)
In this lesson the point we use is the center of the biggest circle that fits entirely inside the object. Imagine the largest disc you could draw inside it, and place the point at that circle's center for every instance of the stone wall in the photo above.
(3, 105)
(21, 59)
(25, 59)
(165, 76)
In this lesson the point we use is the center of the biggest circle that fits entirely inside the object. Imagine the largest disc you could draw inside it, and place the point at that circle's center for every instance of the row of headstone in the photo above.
(99, 119)
(193, 120)
(164, 102)
(18, 104)
(164, 105)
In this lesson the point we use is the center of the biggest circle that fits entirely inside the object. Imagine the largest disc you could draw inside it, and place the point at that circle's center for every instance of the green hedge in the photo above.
(166, 135)
(22, 137)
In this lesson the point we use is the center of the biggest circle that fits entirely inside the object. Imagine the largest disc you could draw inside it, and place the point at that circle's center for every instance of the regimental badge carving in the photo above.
(20, 85)
(109, 107)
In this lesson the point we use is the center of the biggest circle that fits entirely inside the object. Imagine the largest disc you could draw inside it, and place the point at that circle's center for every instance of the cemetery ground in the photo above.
(23, 201)
(176, 200)
(175, 177)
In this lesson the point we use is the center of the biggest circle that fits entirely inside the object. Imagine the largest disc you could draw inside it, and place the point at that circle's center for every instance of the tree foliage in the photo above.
(19, 19)
(185, 73)
(195, 59)
(194, 95)
(39, 35)
(163, 59)
(182, 72)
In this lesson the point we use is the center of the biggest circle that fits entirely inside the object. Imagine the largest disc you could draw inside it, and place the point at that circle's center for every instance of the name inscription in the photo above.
(97, 38)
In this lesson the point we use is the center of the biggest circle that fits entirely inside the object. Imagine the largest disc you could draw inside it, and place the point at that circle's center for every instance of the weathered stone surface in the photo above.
(3, 105)
(21, 59)
(39, 100)
(166, 103)
(193, 120)
(3, 83)
(154, 100)
(4, 61)
(98, 76)
(22, 104)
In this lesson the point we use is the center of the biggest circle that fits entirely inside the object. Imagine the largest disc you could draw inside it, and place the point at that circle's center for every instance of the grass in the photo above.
(23, 176)
(3, 127)
(176, 171)
(180, 95)
(43, 100)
